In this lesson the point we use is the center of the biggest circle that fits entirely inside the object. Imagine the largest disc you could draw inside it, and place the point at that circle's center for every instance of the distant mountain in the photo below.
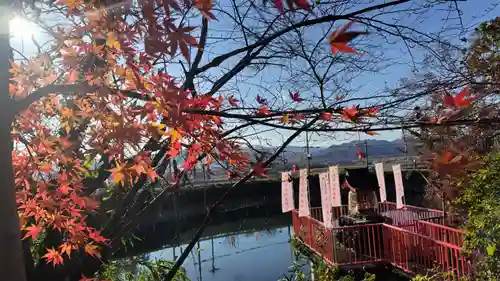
(344, 153)
(341, 153)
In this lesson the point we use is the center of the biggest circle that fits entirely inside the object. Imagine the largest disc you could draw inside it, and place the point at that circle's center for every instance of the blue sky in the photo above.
(473, 12)
(396, 64)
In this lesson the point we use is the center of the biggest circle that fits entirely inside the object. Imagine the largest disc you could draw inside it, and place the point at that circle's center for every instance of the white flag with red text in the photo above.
(398, 181)
(326, 203)
(379, 169)
(303, 194)
(286, 192)
(333, 173)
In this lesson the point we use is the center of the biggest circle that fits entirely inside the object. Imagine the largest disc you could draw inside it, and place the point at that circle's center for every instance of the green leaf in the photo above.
(491, 249)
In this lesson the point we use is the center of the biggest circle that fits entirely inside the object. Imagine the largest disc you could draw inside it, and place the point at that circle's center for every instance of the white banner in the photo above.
(398, 181)
(326, 203)
(379, 169)
(303, 194)
(333, 172)
(286, 192)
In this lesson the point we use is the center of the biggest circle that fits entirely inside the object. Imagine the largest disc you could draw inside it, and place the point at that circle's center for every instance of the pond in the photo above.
(249, 250)
(239, 255)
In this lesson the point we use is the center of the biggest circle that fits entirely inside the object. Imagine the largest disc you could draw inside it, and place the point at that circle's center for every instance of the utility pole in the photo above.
(366, 153)
(309, 156)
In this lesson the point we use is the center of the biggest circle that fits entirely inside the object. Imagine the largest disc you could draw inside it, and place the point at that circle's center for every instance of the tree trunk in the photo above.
(11, 251)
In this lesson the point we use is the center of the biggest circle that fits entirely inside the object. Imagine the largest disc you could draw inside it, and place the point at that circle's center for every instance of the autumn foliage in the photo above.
(97, 108)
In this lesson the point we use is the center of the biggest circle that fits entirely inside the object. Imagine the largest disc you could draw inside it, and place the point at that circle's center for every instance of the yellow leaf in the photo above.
(112, 41)
(174, 134)
(285, 118)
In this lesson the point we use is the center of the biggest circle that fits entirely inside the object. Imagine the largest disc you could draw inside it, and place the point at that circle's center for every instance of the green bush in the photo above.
(481, 199)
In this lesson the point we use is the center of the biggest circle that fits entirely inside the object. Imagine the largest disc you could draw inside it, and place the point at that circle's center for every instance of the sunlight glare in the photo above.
(21, 28)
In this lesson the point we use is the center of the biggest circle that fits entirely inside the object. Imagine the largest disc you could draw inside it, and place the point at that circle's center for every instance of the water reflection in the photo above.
(247, 256)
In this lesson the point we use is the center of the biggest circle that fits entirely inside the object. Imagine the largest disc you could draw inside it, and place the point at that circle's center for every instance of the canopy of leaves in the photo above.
(481, 199)
(483, 58)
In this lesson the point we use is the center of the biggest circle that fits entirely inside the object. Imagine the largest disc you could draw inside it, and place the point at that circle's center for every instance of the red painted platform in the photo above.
(415, 242)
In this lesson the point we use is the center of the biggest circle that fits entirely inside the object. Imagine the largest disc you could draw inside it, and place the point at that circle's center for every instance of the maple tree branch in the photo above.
(50, 89)
(201, 44)
(220, 59)
(136, 216)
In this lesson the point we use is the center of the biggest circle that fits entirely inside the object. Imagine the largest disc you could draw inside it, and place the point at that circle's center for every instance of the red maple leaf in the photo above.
(339, 39)
(295, 96)
(83, 278)
(350, 114)
(261, 100)
(339, 97)
(258, 170)
(233, 101)
(326, 115)
(32, 231)
(303, 4)
(459, 101)
(264, 110)
(180, 38)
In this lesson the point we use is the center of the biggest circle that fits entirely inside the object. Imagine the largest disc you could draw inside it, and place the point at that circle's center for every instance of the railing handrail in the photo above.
(456, 230)
(442, 243)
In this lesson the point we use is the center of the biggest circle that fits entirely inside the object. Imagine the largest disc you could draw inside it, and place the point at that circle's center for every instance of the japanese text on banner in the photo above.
(303, 194)
(326, 204)
(333, 172)
(379, 169)
(287, 203)
(398, 180)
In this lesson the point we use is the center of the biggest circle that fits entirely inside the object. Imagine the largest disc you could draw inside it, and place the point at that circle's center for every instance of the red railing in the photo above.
(341, 245)
(416, 253)
(404, 218)
(412, 245)
(441, 233)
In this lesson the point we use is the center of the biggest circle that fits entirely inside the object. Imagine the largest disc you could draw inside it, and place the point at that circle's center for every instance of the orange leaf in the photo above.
(175, 134)
(152, 175)
(92, 250)
(371, 133)
(66, 248)
(118, 173)
(340, 38)
(205, 6)
(53, 256)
